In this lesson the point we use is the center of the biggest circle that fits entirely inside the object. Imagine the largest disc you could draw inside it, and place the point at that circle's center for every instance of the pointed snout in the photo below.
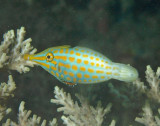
(34, 57)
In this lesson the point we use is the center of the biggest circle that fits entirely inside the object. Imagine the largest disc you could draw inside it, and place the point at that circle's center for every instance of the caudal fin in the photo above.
(127, 73)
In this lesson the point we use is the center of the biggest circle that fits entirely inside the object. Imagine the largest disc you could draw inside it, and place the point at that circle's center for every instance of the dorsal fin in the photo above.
(64, 46)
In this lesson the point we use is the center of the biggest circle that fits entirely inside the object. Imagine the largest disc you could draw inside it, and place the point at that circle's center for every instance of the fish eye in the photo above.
(49, 57)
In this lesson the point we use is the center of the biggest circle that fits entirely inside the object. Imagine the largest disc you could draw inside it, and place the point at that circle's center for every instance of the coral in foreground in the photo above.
(24, 120)
(79, 115)
(12, 50)
(153, 79)
(147, 117)
(6, 91)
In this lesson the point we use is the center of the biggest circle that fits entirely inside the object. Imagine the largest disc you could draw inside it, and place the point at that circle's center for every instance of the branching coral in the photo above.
(24, 120)
(153, 79)
(12, 50)
(153, 93)
(76, 115)
(147, 117)
(6, 90)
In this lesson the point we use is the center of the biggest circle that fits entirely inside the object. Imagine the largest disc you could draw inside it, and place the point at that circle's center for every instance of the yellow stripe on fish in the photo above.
(81, 65)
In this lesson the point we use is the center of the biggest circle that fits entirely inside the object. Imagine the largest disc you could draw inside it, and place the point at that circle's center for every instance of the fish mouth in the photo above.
(28, 57)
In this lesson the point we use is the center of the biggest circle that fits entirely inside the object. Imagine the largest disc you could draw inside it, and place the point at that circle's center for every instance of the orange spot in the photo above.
(86, 62)
(66, 51)
(102, 60)
(82, 50)
(42, 64)
(106, 62)
(61, 64)
(97, 64)
(71, 59)
(86, 76)
(90, 80)
(78, 54)
(71, 52)
(95, 76)
(54, 62)
(74, 67)
(79, 60)
(85, 80)
(91, 57)
(64, 58)
(79, 75)
(97, 59)
(61, 57)
(90, 70)
(53, 68)
(71, 74)
(57, 74)
(74, 79)
(85, 55)
(61, 51)
(99, 71)
(102, 77)
(65, 72)
(68, 78)
(102, 65)
(108, 67)
(62, 76)
(52, 73)
(79, 81)
(95, 54)
(56, 51)
(67, 66)
(92, 63)
(82, 68)
(108, 73)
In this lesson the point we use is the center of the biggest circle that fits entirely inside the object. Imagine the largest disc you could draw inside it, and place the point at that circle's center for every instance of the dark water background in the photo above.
(126, 31)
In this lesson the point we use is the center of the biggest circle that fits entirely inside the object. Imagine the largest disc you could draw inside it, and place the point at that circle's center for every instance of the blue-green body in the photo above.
(82, 65)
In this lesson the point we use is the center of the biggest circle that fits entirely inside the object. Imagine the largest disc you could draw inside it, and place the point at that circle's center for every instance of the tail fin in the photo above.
(127, 73)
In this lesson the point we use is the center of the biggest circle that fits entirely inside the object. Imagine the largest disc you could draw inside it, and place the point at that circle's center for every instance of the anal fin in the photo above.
(69, 83)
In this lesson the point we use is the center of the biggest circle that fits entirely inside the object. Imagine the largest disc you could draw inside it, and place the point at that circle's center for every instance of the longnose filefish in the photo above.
(81, 65)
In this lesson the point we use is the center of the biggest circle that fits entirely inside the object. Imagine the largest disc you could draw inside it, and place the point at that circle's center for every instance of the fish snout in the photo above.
(28, 57)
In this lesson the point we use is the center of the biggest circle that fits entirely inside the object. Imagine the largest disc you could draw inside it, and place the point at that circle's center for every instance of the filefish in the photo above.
(81, 65)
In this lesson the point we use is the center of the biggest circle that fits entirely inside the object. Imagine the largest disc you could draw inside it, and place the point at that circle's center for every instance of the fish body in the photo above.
(81, 65)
